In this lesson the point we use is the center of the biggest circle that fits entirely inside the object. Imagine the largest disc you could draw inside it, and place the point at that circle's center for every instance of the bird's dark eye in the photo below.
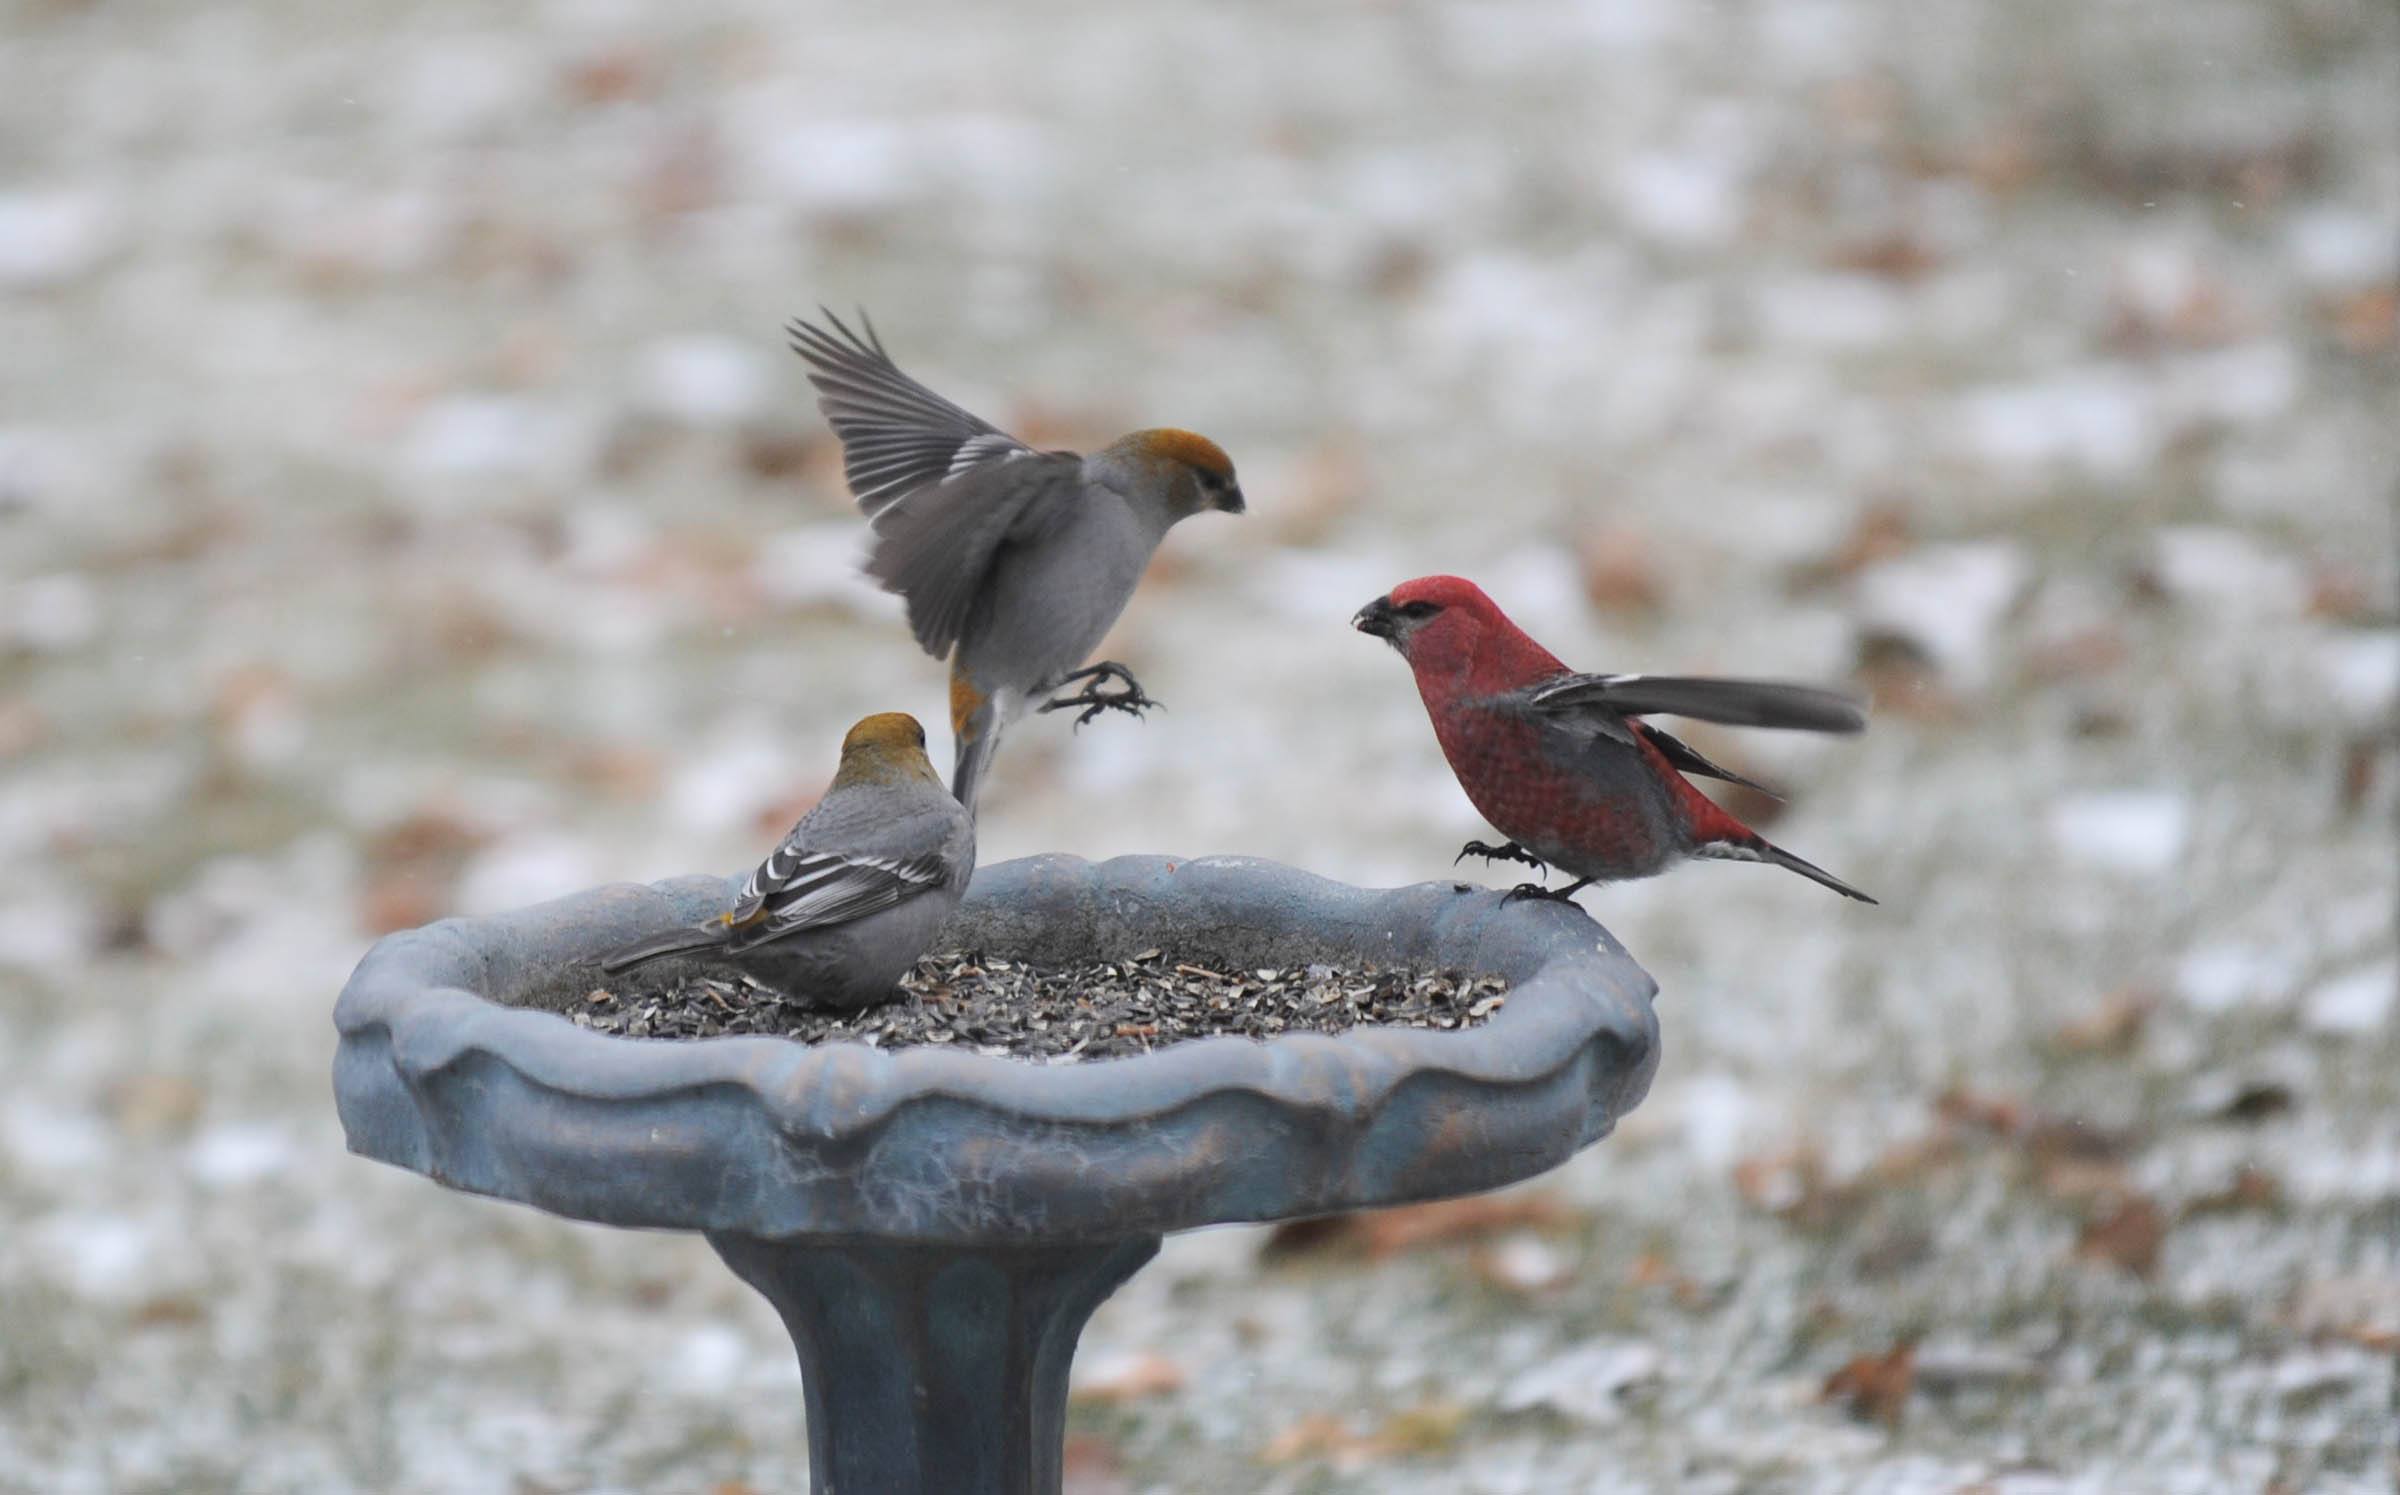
(1209, 480)
(1419, 610)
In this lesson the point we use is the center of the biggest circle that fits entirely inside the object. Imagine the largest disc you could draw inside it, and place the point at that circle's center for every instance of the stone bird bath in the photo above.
(936, 1226)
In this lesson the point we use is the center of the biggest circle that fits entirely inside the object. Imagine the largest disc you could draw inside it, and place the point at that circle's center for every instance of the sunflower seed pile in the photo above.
(1098, 1010)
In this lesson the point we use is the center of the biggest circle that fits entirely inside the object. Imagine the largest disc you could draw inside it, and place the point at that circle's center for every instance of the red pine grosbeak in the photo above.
(1563, 763)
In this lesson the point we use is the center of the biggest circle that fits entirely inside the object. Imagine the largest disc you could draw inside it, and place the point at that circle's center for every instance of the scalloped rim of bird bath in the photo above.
(935, 1226)
(765, 1136)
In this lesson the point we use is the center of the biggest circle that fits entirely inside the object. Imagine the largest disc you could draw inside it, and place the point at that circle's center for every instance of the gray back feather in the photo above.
(936, 549)
(862, 848)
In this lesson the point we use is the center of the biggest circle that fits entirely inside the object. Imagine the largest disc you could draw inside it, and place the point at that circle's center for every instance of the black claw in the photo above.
(1094, 700)
(1547, 895)
(1510, 852)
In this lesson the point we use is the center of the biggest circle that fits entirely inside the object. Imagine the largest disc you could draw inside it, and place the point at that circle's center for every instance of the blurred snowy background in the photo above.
(407, 506)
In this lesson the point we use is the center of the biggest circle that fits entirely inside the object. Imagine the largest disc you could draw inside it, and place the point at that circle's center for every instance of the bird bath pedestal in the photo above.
(936, 1226)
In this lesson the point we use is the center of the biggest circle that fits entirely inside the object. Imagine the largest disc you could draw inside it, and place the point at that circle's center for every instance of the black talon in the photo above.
(1509, 852)
(1132, 699)
(1547, 895)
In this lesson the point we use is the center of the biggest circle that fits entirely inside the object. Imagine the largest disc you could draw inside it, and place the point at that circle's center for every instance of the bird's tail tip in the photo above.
(966, 775)
(1757, 848)
(976, 720)
(1814, 873)
(617, 962)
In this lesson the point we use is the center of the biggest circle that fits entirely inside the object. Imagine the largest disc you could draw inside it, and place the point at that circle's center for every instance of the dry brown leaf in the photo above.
(2203, 316)
(2111, 1028)
(1650, 1269)
(1427, 1428)
(2250, 1188)
(22, 728)
(1882, 531)
(430, 833)
(620, 770)
(412, 866)
(1793, 1186)
(1907, 1162)
(399, 900)
(1876, 1387)
(2079, 655)
(2340, 593)
(772, 453)
(1900, 681)
(1319, 1435)
(2003, 163)
(609, 76)
(2075, 1159)
(1619, 574)
(2129, 1235)
(1978, 1111)
(2368, 322)
(2362, 1309)
(1897, 256)
(247, 689)
(1092, 1466)
(2362, 761)
(173, 1311)
(1134, 1377)
(2072, 1180)
(778, 816)
(1322, 489)
(153, 1105)
(1413, 1227)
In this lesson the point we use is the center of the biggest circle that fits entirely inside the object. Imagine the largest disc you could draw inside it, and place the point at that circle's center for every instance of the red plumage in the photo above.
(1562, 763)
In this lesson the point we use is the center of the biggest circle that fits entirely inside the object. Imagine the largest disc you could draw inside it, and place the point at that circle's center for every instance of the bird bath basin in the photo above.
(935, 1226)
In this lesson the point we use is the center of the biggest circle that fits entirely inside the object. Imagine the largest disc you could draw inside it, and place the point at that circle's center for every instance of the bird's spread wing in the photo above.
(794, 890)
(936, 549)
(1735, 703)
(898, 437)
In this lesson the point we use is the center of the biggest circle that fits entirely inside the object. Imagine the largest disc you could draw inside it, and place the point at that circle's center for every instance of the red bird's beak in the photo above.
(1379, 619)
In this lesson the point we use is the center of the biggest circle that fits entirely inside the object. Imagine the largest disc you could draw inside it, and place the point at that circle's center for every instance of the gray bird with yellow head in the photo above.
(840, 910)
(1014, 562)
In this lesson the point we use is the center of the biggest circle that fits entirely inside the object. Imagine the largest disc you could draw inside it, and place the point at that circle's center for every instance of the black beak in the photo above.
(1378, 618)
(1233, 502)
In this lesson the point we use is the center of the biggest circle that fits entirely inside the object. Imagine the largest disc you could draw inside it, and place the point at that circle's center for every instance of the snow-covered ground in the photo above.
(407, 506)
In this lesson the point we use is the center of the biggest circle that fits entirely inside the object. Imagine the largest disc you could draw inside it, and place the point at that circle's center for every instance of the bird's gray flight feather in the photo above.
(898, 437)
(1734, 703)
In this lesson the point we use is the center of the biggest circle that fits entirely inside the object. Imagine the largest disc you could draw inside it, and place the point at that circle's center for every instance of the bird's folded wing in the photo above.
(936, 549)
(1688, 759)
(795, 890)
(1735, 703)
(897, 436)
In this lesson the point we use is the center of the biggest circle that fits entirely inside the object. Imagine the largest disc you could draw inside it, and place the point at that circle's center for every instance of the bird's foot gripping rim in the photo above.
(1535, 891)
